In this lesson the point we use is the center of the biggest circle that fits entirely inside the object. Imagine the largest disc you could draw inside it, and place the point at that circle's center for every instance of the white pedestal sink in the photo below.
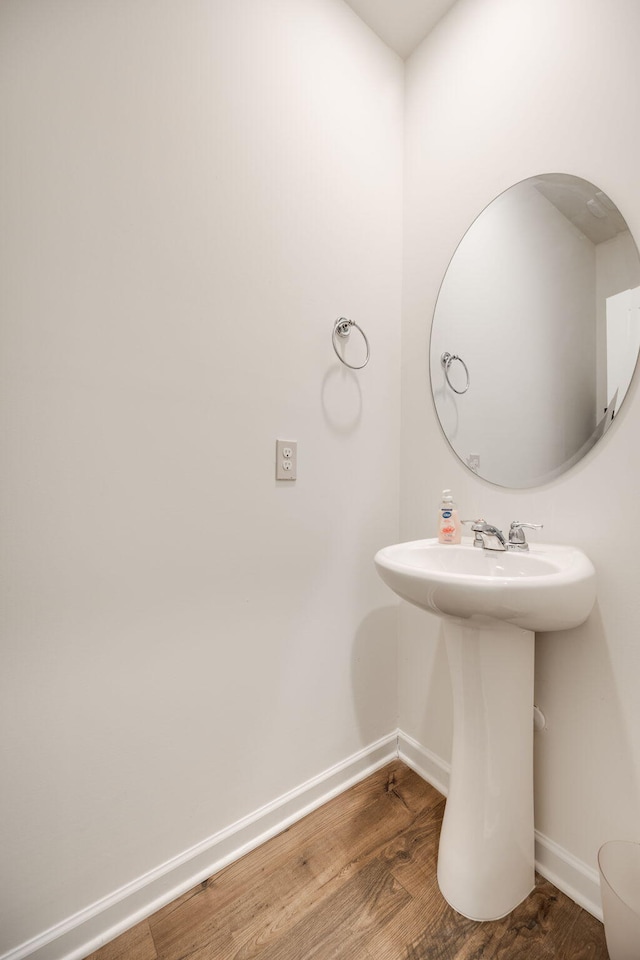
(491, 603)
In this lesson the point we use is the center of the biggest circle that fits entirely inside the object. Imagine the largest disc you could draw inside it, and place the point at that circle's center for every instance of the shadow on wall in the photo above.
(341, 398)
(438, 696)
(374, 674)
(426, 707)
(584, 758)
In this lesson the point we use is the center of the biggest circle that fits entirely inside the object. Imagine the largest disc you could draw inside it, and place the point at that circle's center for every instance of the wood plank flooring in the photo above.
(355, 879)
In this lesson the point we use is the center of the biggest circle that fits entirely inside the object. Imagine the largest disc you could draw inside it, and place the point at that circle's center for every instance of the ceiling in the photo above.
(402, 24)
(583, 205)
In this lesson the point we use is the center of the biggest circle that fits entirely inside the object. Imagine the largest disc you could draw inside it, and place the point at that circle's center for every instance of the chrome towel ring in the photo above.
(342, 328)
(446, 360)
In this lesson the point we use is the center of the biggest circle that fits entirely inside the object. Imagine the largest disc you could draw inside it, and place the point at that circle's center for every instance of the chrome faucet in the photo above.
(487, 536)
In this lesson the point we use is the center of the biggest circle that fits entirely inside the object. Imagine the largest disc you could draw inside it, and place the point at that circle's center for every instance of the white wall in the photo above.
(191, 193)
(500, 92)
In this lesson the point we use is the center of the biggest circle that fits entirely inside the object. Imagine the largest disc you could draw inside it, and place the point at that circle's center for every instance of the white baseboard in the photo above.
(572, 876)
(426, 764)
(579, 881)
(104, 920)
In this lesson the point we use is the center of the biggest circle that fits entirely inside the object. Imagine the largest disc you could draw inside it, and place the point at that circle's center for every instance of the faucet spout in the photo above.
(487, 536)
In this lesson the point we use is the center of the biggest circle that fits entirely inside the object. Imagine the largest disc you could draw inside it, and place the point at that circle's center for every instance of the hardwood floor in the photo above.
(355, 879)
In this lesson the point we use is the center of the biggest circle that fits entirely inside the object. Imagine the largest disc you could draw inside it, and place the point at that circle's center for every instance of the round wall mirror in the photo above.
(536, 330)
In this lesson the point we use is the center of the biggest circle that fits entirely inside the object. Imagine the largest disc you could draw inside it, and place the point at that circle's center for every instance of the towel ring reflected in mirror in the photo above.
(446, 360)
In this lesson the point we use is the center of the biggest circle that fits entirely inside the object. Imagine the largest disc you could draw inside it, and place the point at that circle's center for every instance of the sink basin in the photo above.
(491, 603)
(549, 587)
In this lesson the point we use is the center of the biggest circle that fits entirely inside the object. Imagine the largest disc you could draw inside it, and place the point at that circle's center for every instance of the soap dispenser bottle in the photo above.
(449, 526)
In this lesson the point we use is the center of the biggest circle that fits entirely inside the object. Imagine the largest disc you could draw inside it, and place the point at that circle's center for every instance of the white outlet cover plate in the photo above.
(286, 459)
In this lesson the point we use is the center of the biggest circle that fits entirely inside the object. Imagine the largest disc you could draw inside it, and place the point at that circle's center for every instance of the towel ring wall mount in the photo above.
(341, 332)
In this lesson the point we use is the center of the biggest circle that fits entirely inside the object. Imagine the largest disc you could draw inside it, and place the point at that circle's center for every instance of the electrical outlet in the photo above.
(286, 459)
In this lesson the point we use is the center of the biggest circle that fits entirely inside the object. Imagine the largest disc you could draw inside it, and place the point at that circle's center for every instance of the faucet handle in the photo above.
(517, 538)
(476, 526)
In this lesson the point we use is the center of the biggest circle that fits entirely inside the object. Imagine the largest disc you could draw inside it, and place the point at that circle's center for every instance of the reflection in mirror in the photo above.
(541, 303)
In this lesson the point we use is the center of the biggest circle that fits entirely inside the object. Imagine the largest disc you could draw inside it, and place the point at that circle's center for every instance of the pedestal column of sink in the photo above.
(486, 856)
